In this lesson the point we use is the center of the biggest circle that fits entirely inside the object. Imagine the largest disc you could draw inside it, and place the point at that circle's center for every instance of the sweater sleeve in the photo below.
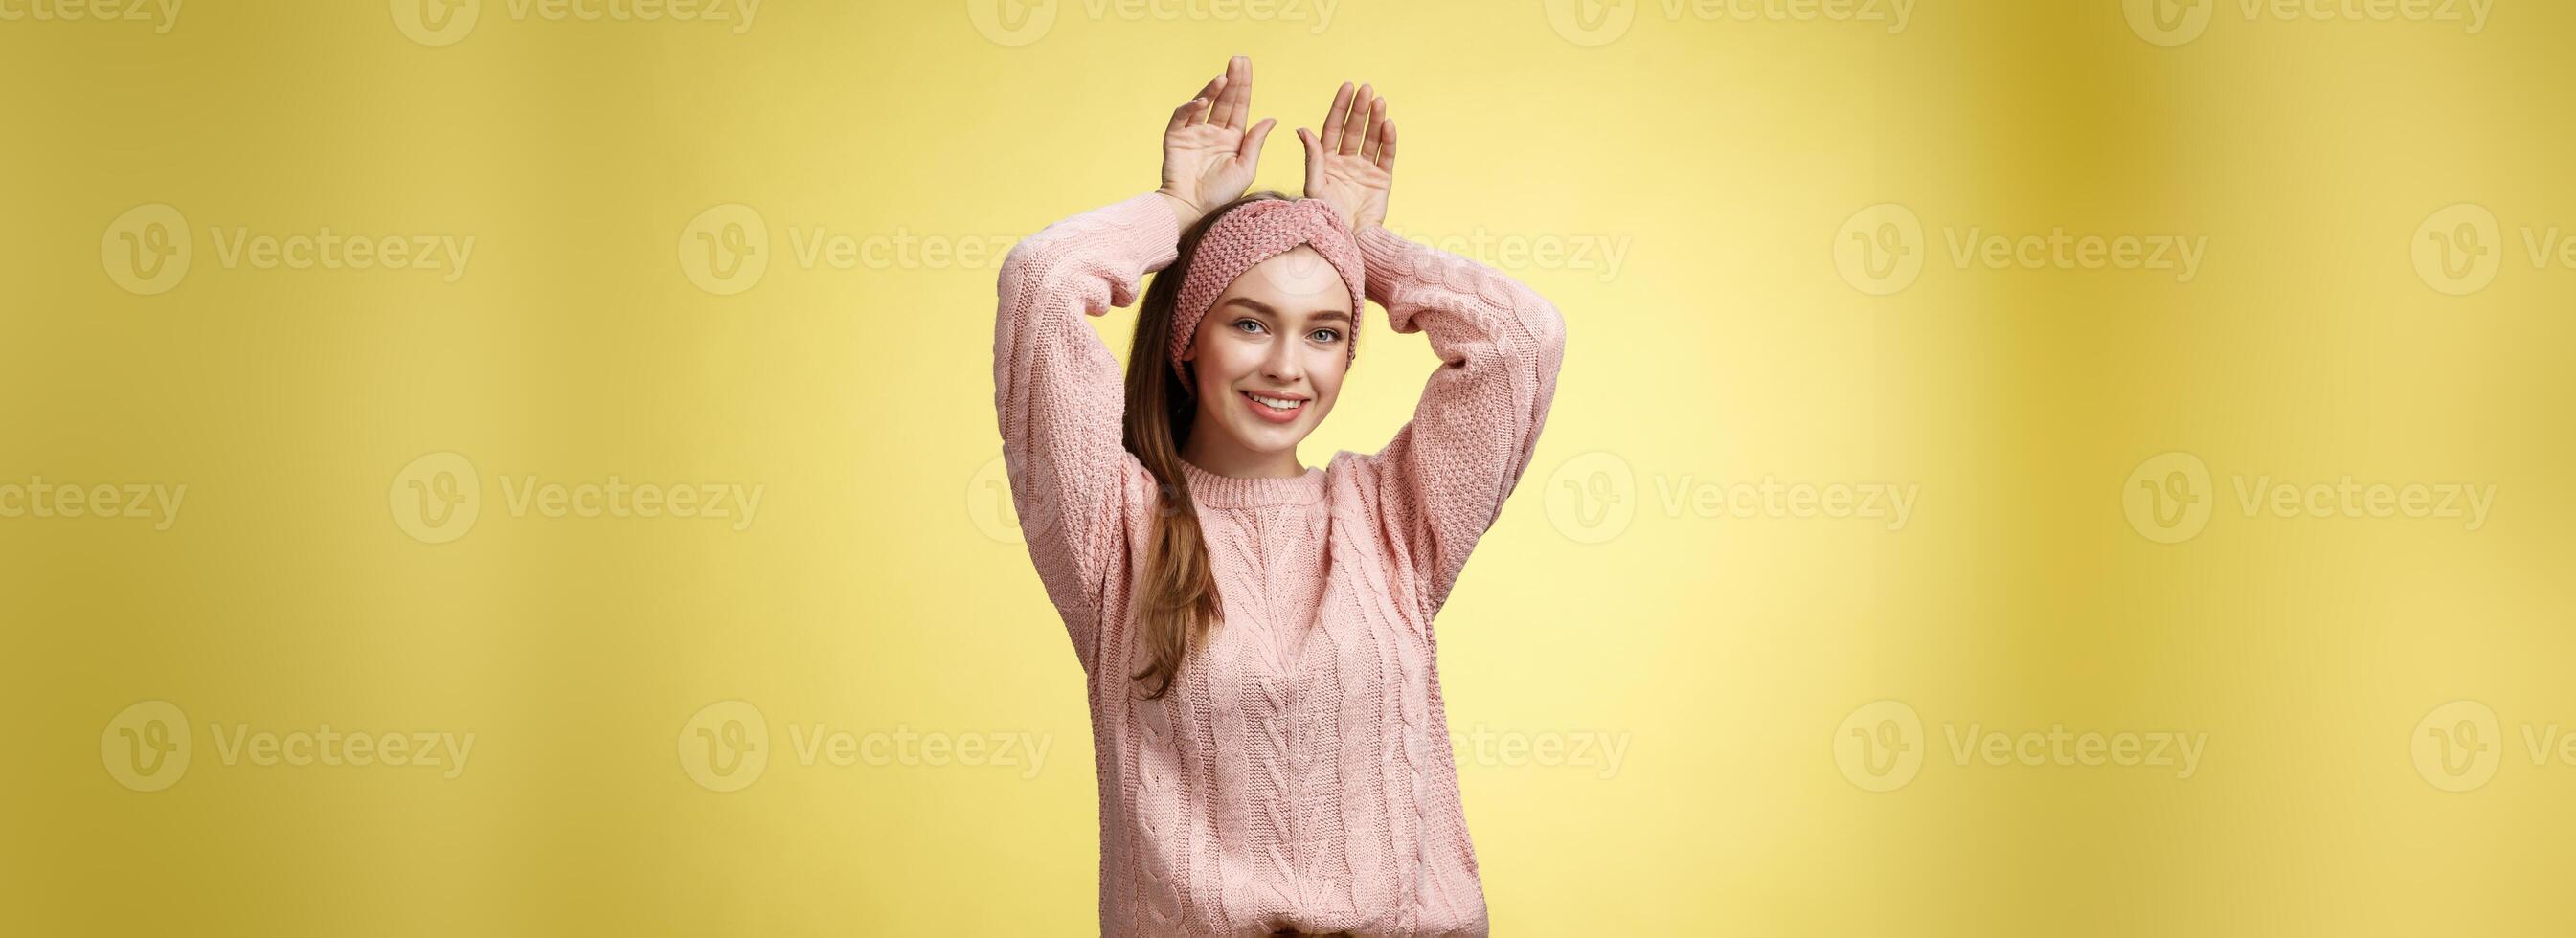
(1442, 481)
(1062, 401)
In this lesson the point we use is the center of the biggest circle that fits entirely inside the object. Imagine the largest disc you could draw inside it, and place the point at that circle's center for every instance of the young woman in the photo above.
(1265, 698)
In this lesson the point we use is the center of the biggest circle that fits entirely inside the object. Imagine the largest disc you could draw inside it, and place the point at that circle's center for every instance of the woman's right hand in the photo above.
(1208, 157)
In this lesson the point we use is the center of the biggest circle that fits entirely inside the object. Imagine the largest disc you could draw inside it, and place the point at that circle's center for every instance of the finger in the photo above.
(1314, 160)
(1214, 91)
(1377, 131)
(1386, 150)
(1333, 118)
(1181, 115)
(1356, 129)
(1250, 151)
(1235, 105)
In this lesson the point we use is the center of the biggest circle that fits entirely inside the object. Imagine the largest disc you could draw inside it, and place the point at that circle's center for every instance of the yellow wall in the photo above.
(1703, 192)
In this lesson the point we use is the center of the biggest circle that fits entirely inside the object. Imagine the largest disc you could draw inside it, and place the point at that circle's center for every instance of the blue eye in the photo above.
(1327, 335)
(1255, 324)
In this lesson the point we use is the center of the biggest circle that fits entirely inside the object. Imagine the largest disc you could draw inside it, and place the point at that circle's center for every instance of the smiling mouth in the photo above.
(1274, 409)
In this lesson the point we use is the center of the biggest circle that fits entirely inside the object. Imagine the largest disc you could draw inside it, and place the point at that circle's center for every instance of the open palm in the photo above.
(1208, 156)
(1351, 166)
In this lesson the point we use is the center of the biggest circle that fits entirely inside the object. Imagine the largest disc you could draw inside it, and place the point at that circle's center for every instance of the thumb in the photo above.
(1250, 150)
(1314, 160)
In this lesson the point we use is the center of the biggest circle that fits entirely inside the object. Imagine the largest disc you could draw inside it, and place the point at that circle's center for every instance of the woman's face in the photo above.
(1270, 354)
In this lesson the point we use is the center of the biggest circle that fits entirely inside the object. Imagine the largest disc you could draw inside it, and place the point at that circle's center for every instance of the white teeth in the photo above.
(1279, 403)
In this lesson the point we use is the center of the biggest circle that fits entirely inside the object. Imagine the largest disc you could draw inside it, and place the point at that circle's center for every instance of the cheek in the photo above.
(1327, 375)
(1221, 360)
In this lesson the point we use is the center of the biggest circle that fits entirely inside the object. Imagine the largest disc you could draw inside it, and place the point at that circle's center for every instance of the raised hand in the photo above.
(1352, 165)
(1208, 157)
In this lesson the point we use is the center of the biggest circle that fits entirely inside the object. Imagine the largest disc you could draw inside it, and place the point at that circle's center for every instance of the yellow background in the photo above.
(872, 594)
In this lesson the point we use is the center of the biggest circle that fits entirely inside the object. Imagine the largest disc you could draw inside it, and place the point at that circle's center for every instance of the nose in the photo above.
(1285, 362)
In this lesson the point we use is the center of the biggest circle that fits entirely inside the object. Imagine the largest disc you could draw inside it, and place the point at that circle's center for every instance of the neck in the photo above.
(1228, 460)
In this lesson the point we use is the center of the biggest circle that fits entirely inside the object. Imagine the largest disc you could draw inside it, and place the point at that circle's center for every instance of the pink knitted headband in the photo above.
(1254, 232)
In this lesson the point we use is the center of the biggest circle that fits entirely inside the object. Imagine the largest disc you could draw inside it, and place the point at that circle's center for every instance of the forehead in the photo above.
(1297, 281)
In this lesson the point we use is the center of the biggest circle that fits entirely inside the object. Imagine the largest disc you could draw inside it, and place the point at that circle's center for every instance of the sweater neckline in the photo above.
(1216, 491)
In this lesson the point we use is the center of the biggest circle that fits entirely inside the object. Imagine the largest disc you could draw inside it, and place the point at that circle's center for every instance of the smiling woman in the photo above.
(1265, 700)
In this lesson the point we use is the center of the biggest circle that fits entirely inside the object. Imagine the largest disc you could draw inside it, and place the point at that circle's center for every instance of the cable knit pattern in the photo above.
(1298, 776)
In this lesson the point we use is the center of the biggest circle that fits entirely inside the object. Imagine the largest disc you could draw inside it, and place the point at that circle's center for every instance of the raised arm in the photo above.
(1061, 400)
(1058, 391)
(1442, 481)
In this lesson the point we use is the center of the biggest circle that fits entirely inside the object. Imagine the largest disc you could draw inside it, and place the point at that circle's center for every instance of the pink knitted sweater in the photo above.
(1298, 775)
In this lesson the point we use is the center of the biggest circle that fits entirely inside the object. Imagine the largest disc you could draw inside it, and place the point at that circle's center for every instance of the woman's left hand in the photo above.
(1352, 166)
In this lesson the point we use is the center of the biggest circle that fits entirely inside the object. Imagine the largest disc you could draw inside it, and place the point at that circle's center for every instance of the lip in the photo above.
(1273, 414)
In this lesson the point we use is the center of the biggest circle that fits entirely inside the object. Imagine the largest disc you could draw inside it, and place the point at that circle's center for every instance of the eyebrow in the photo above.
(1264, 308)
